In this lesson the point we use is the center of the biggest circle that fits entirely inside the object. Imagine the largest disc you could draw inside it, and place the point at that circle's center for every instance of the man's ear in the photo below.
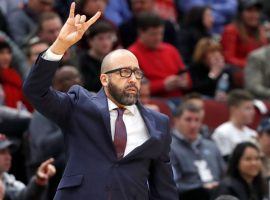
(104, 79)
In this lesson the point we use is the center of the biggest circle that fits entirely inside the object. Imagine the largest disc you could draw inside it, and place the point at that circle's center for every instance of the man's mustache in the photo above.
(132, 86)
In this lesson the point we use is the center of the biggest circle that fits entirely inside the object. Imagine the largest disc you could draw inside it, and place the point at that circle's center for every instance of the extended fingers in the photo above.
(92, 19)
(72, 10)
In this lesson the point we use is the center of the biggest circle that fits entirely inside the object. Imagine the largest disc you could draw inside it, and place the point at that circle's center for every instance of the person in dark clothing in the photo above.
(198, 24)
(128, 30)
(244, 180)
(100, 41)
(208, 69)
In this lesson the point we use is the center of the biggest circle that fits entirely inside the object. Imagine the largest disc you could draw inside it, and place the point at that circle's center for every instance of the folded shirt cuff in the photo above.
(49, 55)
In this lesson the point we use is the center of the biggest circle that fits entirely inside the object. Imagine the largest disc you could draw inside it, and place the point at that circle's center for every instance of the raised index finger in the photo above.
(47, 162)
(72, 10)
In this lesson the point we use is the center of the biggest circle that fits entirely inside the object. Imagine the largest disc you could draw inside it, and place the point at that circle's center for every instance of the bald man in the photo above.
(117, 149)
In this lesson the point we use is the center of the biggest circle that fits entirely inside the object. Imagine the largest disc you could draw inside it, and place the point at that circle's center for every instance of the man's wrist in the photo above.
(59, 47)
(40, 181)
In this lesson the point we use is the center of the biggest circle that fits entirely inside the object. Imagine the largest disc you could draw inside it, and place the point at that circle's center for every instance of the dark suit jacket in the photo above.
(92, 170)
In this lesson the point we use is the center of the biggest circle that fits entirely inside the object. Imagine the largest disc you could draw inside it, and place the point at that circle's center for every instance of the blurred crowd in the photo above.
(191, 52)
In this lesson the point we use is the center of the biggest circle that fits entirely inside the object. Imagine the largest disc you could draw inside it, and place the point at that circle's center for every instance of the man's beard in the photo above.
(121, 96)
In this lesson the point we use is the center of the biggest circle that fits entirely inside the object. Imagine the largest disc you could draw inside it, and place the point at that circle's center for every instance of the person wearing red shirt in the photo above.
(10, 80)
(244, 35)
(160, 62)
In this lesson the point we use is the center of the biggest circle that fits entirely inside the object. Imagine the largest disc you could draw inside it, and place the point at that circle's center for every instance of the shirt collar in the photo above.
(130, 109)
(180, 136)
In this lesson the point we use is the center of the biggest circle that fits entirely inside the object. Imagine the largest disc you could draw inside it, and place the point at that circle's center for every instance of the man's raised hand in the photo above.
(72, 31)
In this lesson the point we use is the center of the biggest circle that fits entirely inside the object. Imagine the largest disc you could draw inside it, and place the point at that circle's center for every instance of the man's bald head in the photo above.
(118, 58)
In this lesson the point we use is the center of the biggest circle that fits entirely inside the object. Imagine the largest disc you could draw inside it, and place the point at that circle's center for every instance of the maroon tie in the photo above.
(120, 134)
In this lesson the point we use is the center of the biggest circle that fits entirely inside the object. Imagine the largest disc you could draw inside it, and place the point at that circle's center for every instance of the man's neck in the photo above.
(237, 123)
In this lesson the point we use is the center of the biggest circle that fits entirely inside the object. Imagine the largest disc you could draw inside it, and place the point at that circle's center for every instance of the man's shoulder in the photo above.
(223, 129)
(260, 53)
(80, 91)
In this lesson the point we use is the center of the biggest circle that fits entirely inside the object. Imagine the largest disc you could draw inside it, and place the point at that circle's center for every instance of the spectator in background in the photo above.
(166, 10)
(197, 163)
(10, 80)
(12, 189)
(128, 30)
(19, 61)
(198, 24)
(145, 95)
(223, 11)
(244, 180)
(118, 11)
(45, 138)
(235, 131)
(100, 39)
(257, 73)
(210, 76)
(49, 26)
(264, 144)
(160, 61)
(23, 21)
(34, 47)
(90, 7)
(197, 100)
(245, 34)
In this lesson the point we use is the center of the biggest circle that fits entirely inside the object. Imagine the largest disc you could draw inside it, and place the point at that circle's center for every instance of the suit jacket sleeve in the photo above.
(37, 88)
(161, 182)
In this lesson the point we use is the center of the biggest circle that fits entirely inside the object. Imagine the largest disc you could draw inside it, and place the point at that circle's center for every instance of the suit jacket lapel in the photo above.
(102, 105)
(151, 127)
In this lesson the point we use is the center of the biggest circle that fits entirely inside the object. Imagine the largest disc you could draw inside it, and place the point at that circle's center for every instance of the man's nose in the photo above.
(133, 77)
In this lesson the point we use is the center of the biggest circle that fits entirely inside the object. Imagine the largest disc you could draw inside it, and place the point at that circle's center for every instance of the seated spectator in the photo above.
(34, 47)
(10, 80)
(245, 34)
(19, 61)
(23, 21)
(198, 24)
(244, 180)
(223, 11)
(235, 131)
(145, 95)
(210, 76)
(264, 144)
(197, 163)
(160, 62)
(100, 39)
(90, 7)
(45, 137)
(197, 100)
(49, 26)
(257, 73)
(12, 189)
(128, 30)
(117, 11)
(166, 10)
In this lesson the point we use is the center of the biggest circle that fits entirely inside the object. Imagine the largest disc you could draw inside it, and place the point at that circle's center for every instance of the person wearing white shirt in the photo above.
(236, 130)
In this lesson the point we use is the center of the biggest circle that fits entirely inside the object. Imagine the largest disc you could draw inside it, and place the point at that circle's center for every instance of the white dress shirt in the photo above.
(137, 132)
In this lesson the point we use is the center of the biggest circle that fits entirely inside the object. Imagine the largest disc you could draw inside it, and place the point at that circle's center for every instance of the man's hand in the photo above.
(45, 171)
(72, 31)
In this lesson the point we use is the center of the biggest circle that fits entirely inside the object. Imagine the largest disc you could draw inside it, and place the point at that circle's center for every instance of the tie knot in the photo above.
(120, 111)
